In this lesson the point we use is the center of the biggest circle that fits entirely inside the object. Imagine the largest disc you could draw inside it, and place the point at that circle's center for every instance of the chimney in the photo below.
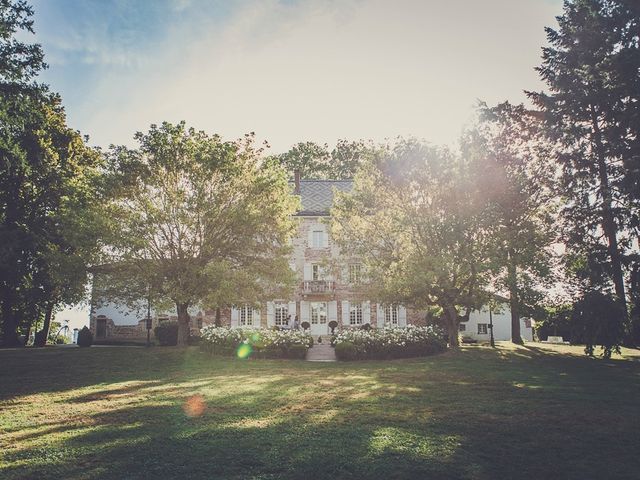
(296, 176)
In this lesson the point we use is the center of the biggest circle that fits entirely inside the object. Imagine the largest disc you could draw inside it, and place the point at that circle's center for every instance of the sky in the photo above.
(290, 71)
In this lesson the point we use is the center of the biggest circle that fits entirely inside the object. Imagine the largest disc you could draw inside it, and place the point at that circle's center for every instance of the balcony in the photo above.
(318, 286)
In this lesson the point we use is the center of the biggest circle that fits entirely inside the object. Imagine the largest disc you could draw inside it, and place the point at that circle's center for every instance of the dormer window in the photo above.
(317, 239)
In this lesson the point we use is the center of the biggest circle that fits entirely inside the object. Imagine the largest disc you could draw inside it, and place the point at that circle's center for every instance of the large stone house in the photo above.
(326, 291)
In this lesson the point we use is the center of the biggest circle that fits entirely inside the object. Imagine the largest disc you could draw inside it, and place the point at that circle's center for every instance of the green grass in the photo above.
(118, 412)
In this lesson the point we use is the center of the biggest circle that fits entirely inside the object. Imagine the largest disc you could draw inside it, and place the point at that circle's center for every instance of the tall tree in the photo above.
(201, 213)
(592, 109)
(316, 161)
(413, 221)
(510, 158)
(47, 179)
(310, 159)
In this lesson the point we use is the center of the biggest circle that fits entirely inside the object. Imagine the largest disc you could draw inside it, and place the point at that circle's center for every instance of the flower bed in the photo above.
(412, 341)
(261, 343)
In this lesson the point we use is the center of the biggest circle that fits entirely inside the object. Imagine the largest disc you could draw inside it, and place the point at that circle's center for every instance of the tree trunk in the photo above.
(218, 323)
(609, 225)
(9, 325)
(184, 321)
(512, 279)
(43, 335)
(451, 321)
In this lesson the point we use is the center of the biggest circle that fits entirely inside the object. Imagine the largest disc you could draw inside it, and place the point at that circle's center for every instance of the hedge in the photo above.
(258, 343)
(386, 343)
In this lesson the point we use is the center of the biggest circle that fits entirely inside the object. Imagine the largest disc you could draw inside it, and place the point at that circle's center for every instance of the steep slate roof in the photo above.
(316, 196)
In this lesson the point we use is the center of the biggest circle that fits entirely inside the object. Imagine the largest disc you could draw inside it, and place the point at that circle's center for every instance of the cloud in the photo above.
(307, 70)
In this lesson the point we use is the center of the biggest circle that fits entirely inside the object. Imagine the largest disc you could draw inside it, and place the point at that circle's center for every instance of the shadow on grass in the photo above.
(472, 414)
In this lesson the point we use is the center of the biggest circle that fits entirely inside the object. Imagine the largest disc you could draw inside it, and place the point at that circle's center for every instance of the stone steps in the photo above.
(321, 352)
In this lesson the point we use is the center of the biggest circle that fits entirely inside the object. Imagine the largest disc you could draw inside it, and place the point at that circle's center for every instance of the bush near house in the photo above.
(85, 337)
(412, 341)
(167, 333)
(263, 343)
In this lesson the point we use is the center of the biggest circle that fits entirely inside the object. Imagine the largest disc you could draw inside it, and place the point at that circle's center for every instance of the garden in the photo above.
(387, 343)
(349, 343)
(260, 343)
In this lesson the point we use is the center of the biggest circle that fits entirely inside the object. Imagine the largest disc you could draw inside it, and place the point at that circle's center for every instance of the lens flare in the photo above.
(244, 350)
(194, 406)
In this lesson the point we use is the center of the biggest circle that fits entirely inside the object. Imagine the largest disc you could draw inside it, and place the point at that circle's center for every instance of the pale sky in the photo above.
(289, 70)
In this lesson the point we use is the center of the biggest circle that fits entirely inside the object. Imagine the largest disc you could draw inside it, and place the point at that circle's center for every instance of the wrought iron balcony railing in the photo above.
(318, 286)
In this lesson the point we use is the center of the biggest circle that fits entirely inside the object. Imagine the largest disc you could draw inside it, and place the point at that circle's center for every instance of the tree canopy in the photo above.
(413, 220)
(204, 220)
(49, 180)
(591, 109)
(509, 157)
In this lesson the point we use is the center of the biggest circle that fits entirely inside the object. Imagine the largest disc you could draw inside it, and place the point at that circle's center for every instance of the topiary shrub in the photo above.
(366, 327)
(346, 351)
(85, 337)
(167, 333)
(305, 325)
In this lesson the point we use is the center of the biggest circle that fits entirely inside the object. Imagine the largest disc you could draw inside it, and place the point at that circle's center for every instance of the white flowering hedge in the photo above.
(263, 343)
(412, 341)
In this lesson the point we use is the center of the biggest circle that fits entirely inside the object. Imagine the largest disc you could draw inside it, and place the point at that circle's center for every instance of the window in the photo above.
(463, 327)
(318, 313)
(163, 319)
(355, 269)
(390, 314)
(317, 237)
(355, 314)
(316, 272)
(482, 329)
(246, 315)
(281, 314)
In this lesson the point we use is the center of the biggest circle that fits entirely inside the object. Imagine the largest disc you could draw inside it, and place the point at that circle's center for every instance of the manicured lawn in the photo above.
(119, 412)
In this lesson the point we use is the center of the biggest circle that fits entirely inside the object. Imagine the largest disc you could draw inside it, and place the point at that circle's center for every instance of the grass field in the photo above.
(478, 413)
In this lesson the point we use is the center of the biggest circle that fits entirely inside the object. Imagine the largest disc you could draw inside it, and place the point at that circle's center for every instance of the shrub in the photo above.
(333, 325)
(167, 333)
(555, 320)
(346, 351)
(263, 343)
(297, 352)
(384, 343)
(598, 319)
(85, 337)
(305, 325)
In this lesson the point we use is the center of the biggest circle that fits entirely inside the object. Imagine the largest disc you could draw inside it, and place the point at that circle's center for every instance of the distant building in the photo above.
(324, 293)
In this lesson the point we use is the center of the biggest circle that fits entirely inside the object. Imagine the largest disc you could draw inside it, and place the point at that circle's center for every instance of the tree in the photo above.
(315, 161)
(310, 159)
(515, 179)
(591, 109)
(48, 178)
(413, 221)
(202, 217)
(348, 156)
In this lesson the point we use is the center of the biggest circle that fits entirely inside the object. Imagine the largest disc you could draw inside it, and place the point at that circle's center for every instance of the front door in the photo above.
(319, 318)
(101, 327)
